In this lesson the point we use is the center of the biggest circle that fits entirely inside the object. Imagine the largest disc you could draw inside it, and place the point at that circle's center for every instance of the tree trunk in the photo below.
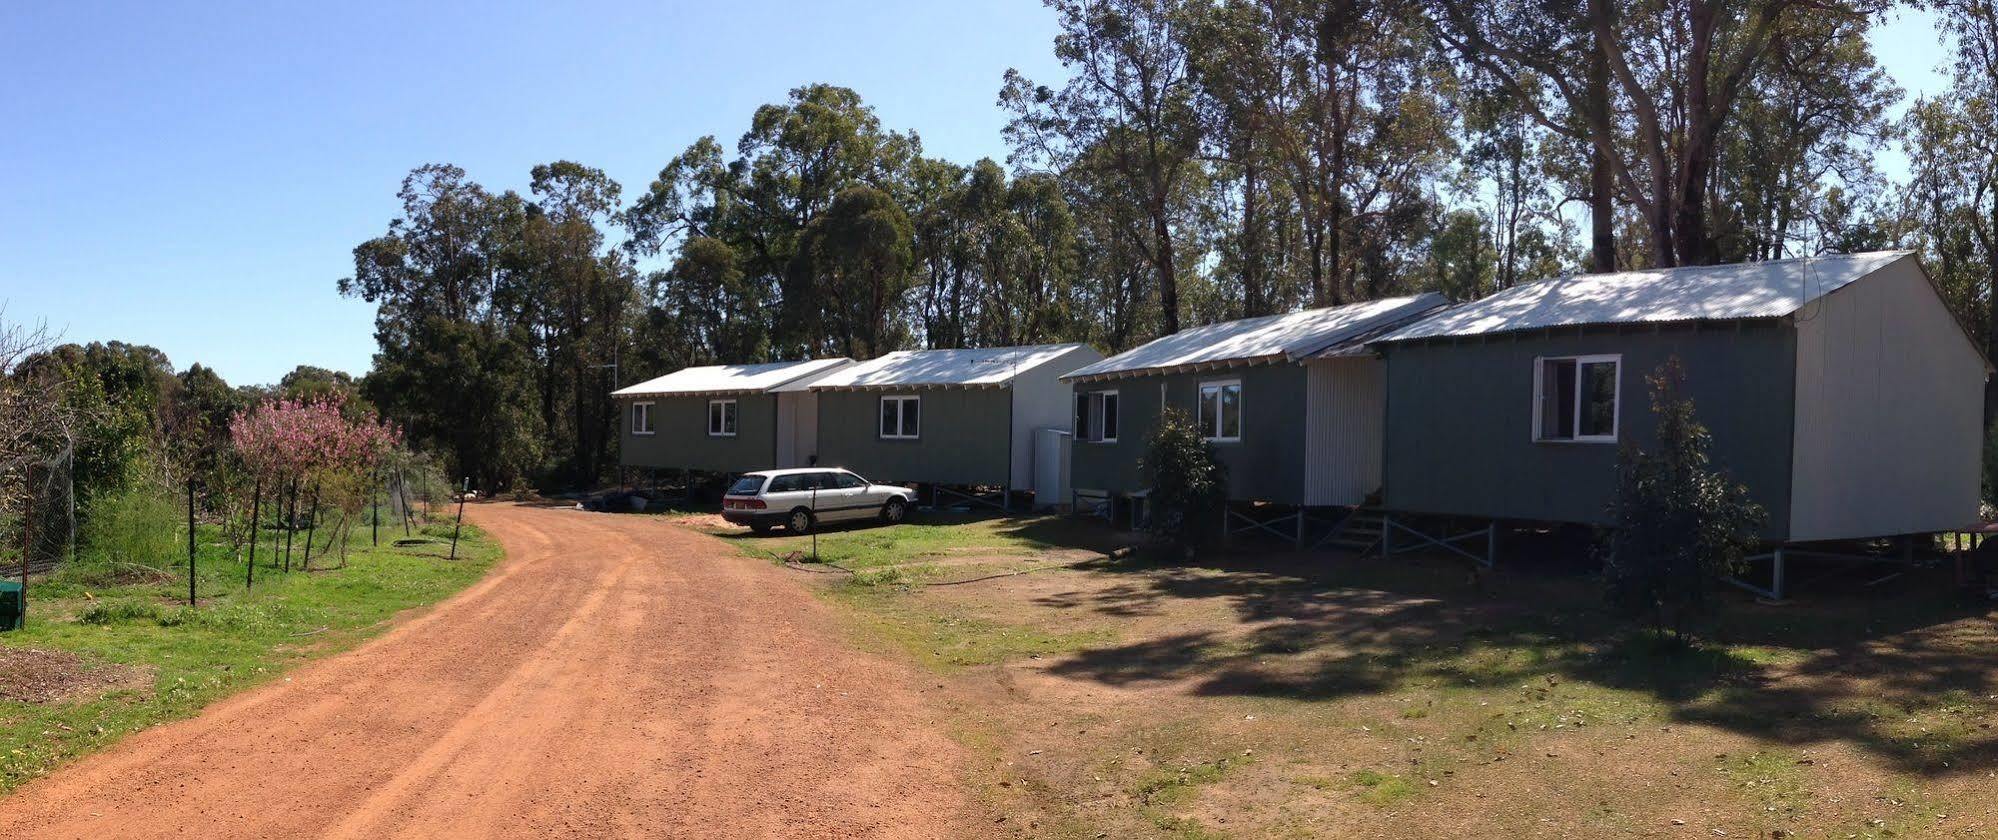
(1253, 294)
(1991, 316)
(1602, 191)
(1168, 278)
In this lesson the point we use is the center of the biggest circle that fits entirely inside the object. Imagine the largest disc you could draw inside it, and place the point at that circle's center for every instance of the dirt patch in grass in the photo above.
(28, 675)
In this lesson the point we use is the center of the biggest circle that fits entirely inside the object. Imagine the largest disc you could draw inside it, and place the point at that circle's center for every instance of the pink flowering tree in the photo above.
(323, 447)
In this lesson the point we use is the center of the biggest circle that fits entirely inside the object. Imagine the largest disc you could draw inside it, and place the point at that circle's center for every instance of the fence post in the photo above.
(256, 533)
(374, 511)
(290, 524)
(312, 529)
(27, 550)
(460, 525)
(190, 541)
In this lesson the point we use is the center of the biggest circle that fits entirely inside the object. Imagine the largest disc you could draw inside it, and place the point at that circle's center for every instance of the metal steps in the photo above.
(1359, 533)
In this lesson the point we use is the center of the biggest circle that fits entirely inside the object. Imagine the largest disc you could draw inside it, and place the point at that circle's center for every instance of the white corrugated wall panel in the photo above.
(1889, 404)
(1344, 414)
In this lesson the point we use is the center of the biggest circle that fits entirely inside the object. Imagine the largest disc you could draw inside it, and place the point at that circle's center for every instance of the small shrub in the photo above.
(138, 526)
(1678, 526)
(1189, 486)
(1991, 465)
(120, 612)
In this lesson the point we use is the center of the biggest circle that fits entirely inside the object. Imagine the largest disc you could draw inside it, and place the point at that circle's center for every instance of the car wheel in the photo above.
(800, 522)
(894, 511)
(760, 527)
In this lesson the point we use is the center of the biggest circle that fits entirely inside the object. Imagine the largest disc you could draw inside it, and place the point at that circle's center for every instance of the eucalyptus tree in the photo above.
(455, 358)
(1653, 89)
(1127, 112)
(790, 166)
(853, 262)
(1343, 103)
(1952, 195)
(1805, 137)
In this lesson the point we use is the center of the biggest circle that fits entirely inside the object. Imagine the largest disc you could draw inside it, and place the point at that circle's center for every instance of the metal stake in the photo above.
(256, 505)
(461, 517)
(190, 541)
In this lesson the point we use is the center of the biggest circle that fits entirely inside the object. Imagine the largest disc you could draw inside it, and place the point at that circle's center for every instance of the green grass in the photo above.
(232, 641)
(1773, 779)
(947, 642)
(915, 551)
(1377, 788)
(1160, 789)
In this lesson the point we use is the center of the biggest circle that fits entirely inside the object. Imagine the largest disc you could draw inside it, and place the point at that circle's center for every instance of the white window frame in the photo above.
(901, 416)
(1241, 409)
(727, 429)
(1540, 396)
(635, 412)
(1092, 408)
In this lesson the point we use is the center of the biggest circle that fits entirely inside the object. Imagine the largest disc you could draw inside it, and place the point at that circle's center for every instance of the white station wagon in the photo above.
(799, 499)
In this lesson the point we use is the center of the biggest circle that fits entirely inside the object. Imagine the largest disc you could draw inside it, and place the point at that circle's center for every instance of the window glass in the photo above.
(1598, 395)
(728, 417)
(899, 417)
(746, 485)
(1559, 382)
(1221, 410)
(787, 483)
(847, 481)
(1577, 398)
(641, 417)
(1109, 422)
(1231, 411)
(1082, 417)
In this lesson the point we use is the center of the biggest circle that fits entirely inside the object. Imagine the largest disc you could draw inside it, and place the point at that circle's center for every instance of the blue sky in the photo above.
(194, 177)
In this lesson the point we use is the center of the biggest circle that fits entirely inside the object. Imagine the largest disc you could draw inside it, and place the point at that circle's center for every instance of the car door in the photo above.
(859, 497)
(839, 497)
(786, 492)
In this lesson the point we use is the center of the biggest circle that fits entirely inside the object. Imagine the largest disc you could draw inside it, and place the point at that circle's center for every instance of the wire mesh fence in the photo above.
(43, 513)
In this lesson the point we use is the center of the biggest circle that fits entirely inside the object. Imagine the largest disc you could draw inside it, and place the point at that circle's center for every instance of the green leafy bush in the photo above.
(1189, 486)
(1678, 525)
(136, 526)
(1991, 465)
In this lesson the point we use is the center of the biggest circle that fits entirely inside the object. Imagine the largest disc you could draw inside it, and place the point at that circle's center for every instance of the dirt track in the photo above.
(615, 676)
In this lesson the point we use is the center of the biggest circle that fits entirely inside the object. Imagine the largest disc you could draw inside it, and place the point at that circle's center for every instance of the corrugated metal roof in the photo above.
(1270, 337)
(1770, 289)
(724, 379)
(977, 366)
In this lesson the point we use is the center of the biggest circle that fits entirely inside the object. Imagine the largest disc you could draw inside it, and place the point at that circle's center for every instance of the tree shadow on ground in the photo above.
(1846, 666)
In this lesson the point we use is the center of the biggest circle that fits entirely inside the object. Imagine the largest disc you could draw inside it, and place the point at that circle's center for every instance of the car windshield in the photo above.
(746, 485)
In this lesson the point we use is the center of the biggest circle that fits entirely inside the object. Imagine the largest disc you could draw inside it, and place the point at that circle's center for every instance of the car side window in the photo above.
(786, 483)
(846, 481)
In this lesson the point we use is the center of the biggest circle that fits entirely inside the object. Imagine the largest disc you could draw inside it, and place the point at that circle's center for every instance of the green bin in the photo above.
(13, 605)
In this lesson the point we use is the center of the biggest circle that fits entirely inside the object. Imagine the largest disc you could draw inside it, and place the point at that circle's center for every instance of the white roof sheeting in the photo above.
(732, 379)
(1770, 289)
(1268, 338)
(984, 366)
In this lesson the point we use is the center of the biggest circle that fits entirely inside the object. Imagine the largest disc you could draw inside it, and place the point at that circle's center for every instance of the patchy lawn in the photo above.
(1277, 695)
(112, 650)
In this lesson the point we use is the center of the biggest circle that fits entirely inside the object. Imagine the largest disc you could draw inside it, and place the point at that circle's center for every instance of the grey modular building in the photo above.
(1839, 389)
(960, 418)
(724, 418)
(1291, 403)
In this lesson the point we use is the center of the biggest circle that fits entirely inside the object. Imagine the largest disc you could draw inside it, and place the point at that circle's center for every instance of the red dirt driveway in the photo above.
(613, 677)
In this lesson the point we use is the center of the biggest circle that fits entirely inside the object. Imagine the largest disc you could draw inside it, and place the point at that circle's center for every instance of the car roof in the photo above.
(795, 471)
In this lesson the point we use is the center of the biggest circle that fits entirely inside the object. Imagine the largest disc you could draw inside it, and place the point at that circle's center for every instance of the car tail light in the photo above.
(746, 504)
